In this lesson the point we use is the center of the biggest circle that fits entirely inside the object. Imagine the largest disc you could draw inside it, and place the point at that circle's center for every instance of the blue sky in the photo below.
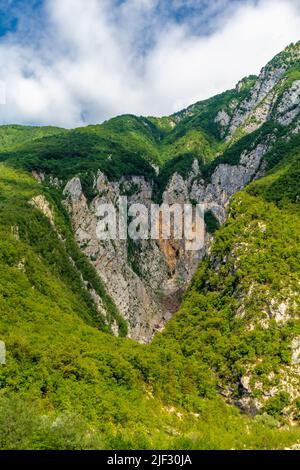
(12, 12)
(26, 19)
(75, 62)
(180, 11)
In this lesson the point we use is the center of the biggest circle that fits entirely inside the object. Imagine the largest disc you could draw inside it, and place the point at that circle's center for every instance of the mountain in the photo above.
(143, 344)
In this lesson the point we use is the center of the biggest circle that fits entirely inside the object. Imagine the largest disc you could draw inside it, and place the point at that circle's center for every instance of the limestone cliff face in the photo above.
(132, 294)
(289, 106)
(146, 278)
(271, 97)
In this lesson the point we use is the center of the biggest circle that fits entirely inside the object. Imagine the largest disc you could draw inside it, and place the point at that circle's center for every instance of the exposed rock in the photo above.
(55, 182)
(146, 278)
(260, 114)
(2, 353)
(99, 303)
(39, 176)
(15, 232)
(223, 119)
(293, 447)
(296, 129)
(279, 311)
(114, 328)
(132, 295)
(289, 106)
(73, 189)
(21, 265)
(41, 203)
(177, 190)
(226, 180)
(296, 351)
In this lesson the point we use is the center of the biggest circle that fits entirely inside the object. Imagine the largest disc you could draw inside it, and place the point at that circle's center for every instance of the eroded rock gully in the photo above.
(146, 279)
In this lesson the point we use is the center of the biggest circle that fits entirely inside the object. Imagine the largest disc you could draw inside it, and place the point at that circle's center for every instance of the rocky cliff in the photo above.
(236, 330)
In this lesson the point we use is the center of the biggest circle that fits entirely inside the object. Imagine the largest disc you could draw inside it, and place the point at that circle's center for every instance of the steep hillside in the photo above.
(37, 243)
(241, 314)
(66, 383)
(204, 154)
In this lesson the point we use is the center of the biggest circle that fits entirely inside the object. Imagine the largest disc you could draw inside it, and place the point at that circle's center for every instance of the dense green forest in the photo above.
(68, 383)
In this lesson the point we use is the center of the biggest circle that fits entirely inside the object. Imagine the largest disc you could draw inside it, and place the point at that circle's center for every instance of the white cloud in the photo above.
(95, 60)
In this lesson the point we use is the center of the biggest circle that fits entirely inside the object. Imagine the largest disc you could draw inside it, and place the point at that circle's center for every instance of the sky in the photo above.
(76, 62)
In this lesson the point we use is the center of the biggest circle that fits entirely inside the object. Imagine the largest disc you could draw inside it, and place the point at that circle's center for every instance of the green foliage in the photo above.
(202, 114)
(275, 405)
(287, 57)
(68, 382)
(28, 234)
(181, 165)
(252, 259)
(23, 427)
(133, 256)
(78, 152)
(124, 145)
(12, 136)
(211, 222)
(89, 389)
(232, 154)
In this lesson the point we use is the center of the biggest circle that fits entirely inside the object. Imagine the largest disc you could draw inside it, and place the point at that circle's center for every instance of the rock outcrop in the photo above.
(146, 278)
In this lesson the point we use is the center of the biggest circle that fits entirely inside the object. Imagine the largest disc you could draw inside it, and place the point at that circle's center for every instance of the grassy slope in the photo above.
(122, 145)
(13, 135)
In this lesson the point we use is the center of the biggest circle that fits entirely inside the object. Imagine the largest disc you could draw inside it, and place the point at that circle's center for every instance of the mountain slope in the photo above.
(64, 295)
